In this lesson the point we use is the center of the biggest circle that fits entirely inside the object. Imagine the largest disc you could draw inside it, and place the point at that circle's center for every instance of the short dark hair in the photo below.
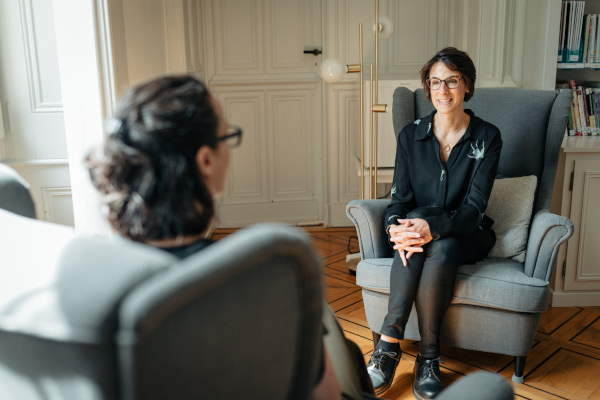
(455, 60)
(145, 171)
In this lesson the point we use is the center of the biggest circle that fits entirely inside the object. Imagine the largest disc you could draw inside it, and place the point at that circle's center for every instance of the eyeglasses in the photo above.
(232, 138)
(451, 83)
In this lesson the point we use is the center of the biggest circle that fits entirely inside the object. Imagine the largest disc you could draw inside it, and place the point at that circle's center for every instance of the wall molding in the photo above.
(501, 46)
(50, 197)
(247, 184)
(36, 162)
(228, 63)
(105, 19)
(278, 102)
(402, 60)
(38, 104)
(183, 35)
(195, 61)
(299, 62)
(264, 79)
(47, 178)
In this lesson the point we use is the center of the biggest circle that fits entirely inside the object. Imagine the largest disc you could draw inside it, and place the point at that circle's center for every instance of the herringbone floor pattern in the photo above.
(563, 364)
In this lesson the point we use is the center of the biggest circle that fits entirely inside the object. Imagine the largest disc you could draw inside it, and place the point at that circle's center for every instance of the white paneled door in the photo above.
(269, 87)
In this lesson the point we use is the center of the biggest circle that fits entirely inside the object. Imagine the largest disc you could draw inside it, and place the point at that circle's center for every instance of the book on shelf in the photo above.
(582, 112)
(585, 108)
(575, 106)
(579, 40)
(590, 39)
(591, 112)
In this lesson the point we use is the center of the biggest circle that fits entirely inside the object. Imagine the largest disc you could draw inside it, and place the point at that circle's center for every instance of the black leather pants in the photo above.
(428, 281)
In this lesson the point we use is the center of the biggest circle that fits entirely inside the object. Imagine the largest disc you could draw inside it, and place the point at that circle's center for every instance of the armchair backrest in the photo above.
(219, 322)
(532, 124)
(104, 318)
(14, 193)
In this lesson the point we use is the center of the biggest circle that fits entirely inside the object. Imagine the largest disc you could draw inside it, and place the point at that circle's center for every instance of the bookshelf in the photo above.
(576, 281)
(581, 72)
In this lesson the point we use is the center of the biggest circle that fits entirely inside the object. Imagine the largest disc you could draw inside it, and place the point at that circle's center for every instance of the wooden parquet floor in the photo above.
(564, 362)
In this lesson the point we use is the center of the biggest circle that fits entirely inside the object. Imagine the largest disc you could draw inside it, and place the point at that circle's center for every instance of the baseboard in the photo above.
(579, 299)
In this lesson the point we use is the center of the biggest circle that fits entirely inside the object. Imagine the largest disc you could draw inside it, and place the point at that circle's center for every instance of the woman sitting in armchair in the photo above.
(443, 176)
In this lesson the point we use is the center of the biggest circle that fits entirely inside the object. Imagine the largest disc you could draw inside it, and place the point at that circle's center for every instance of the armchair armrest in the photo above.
(548, 231)
(368, 216)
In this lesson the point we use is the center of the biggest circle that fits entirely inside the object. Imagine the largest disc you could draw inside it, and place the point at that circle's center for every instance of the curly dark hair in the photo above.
(455, 60)
(145, 171)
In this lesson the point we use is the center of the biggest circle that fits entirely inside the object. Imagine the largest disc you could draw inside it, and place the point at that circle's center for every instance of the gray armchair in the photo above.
(498, 302)
(95, 318)
(14, 193)
(480, 385)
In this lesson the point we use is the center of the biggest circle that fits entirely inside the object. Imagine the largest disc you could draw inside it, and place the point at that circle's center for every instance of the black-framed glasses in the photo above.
(451, 83)
(232, 138)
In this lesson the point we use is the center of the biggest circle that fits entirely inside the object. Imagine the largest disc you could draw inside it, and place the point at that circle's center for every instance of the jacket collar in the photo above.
(473, 132)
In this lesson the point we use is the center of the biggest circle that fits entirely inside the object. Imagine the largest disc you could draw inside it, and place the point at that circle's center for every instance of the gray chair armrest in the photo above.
(548, 231)
(368, 216)
(479, 386)
(14, 193)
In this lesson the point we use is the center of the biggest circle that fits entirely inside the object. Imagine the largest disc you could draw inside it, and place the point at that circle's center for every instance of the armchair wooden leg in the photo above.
(519, 369)
(376, 337)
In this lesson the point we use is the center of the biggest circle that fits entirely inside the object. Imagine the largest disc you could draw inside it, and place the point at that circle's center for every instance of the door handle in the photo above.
(314, 52)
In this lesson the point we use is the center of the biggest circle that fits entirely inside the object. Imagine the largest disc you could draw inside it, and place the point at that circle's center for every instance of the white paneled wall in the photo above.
(297, 162)
(495, 33)
(414, 40)
(269, 87)
(34, 142)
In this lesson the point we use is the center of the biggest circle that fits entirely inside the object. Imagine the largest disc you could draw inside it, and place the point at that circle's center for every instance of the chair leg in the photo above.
(519, 369)
(376, 337)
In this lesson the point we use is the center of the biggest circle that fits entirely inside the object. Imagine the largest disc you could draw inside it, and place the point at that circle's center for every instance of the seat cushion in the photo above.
(510, 206)
(494, 282)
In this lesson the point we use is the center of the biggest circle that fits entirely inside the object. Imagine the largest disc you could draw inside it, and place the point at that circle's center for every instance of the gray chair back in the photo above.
(218, 324)
(532, 124)
(96, 318)
(14, 193)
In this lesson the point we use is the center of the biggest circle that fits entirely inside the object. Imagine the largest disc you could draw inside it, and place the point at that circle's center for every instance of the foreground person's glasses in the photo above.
(232, 138)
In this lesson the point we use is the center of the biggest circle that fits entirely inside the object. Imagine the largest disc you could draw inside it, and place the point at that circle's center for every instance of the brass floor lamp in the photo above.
(332, 71)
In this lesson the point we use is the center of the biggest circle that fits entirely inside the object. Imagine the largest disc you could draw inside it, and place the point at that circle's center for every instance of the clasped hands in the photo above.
(409, 236)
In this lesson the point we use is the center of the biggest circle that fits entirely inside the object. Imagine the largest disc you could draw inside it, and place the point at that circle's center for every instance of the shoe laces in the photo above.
(379, 355)
(431, 365)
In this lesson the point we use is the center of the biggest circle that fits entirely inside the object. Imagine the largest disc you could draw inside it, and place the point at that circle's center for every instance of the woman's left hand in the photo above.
(417, 225)
(409, 237)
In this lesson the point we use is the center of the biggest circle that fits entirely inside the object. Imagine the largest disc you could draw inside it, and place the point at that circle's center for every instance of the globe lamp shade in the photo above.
(332, 70)
(386, 28)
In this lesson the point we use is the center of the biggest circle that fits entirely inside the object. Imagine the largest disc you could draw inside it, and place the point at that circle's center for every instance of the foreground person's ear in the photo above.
(205, 161)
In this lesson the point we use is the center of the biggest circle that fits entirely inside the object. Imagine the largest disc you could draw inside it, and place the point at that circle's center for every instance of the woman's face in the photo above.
(214, 162)
(447, 101)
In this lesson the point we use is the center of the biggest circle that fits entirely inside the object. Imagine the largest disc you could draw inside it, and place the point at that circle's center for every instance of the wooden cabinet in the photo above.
(576, 281)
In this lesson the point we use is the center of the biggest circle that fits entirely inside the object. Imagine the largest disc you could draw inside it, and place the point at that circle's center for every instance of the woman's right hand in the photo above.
(409, 242)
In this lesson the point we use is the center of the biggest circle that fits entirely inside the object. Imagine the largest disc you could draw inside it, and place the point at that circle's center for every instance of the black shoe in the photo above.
(382, 366)
(427, 383)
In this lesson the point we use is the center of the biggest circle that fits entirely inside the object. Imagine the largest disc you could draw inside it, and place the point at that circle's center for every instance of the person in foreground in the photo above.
(445, 167)
(162, 166)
